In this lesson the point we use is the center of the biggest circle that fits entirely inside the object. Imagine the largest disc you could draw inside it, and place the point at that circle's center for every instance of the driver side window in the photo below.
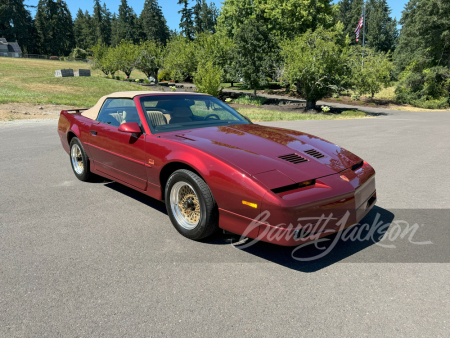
(114, 112)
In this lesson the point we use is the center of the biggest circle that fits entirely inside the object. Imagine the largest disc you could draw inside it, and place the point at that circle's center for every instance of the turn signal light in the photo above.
(253, 205)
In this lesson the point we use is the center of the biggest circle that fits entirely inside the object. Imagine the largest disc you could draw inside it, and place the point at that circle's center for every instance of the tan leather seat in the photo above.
(181, 114)
(119, 116)
(156, 118)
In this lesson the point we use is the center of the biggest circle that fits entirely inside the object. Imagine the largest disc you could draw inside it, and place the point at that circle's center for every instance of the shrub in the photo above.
(425, 88)
(78, 53)
(208, 79)
(54, 58)
(336, 95)
(164, 75)
(256, 101)
(355, 97)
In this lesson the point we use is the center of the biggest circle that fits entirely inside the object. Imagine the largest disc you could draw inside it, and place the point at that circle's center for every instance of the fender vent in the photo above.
(314, 153)
(293, 158)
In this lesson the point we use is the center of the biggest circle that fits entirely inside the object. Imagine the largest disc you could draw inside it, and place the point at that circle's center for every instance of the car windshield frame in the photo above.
(240, 119)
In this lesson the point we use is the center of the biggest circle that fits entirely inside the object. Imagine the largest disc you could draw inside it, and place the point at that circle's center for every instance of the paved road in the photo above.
(97, 259)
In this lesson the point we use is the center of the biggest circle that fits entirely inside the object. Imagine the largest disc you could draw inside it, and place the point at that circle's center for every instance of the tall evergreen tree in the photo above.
(381, 29)
(344, 15)
(126, 23)
(154, 25)
(54, 27)
(425, 34)
(186, 24)
(198, 18)
(106, 24)
(114, 30)
(16, 24)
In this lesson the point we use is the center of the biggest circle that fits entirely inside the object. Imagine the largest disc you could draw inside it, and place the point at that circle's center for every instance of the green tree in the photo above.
(381, 31)
(106, 24)
(315, 63)
(127, 25)
(150, 58)
(372, 75)
(208, 79)
(283, 18)
(54, 27)
(344, 15)
(186, 24)
(16, 24)
(154, 25)
(180, 58)
(425, 34)
(218, 49)
(255, 51)
(125, 54)
(104, 58)
(84, 32)
(424, 87)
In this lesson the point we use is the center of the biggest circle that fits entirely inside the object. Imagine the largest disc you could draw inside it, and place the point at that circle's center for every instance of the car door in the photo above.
(118, 154)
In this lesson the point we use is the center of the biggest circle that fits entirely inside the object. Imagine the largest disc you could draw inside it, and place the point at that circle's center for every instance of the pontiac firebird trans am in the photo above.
(215, 169)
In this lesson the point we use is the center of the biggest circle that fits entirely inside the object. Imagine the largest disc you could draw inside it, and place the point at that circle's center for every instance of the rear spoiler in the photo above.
(76, 111)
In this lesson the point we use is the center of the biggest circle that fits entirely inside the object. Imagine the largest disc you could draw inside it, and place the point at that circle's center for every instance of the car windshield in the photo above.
(180, 112)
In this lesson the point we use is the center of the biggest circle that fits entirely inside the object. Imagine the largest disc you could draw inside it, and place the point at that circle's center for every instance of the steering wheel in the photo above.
(212, 115)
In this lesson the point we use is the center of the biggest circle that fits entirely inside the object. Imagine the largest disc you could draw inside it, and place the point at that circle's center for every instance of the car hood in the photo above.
(257, 149)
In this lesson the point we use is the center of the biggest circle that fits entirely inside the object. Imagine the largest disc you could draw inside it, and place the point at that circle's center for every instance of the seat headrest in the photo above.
(181, 112)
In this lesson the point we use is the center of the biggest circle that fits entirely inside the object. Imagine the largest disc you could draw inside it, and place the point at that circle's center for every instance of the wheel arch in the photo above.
(169, 169)
(70, 136)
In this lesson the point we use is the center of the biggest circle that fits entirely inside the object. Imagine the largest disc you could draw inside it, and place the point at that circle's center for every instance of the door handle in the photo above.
(93, 132)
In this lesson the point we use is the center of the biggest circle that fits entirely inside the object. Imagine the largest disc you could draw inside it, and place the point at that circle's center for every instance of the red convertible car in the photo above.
(215, 169)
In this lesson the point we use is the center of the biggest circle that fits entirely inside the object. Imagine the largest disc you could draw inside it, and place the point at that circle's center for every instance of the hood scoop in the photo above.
(293, 158)
(314, 153)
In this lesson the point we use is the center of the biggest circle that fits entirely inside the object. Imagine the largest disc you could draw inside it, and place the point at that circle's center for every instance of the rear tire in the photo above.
(191, 205)
(79, 160)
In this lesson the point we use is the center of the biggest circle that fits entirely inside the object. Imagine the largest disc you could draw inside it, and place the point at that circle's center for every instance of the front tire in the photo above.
(191, 205)
(79, 160)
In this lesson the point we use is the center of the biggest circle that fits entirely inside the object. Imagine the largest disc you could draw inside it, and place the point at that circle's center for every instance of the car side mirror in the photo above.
(130, 127)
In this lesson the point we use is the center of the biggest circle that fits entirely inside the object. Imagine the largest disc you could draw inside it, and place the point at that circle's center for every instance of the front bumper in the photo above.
(333, 204)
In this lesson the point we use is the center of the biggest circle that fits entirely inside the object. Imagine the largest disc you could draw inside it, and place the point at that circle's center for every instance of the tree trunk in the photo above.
(310, 105)
(156, 77)
(254, 92)
(232, 84)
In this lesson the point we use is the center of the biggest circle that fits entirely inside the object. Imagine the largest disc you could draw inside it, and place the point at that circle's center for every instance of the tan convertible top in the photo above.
(92, 113)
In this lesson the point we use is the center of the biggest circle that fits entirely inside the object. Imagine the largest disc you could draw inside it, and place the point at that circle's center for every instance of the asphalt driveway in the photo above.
(98, 259)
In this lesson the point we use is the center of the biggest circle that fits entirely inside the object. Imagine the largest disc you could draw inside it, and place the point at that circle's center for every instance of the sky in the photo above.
(170, 8)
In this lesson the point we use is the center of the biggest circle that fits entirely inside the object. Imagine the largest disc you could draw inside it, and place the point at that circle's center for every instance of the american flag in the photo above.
(360, 25)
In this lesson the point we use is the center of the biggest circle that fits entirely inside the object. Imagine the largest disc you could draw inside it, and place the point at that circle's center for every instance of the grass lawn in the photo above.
(260, 115)
(33, 81)
(28, 83)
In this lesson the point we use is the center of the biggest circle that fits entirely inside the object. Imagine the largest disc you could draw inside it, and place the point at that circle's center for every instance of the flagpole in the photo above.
(364, 25)
(364, 32)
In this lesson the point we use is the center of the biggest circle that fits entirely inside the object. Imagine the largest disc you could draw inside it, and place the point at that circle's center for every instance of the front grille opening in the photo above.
(357, 165)
(314, 153)
(294, 186)
(293, 158)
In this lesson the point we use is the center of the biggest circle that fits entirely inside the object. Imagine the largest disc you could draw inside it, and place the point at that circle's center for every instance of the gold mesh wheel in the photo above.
(77, 159)
(185, 205)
